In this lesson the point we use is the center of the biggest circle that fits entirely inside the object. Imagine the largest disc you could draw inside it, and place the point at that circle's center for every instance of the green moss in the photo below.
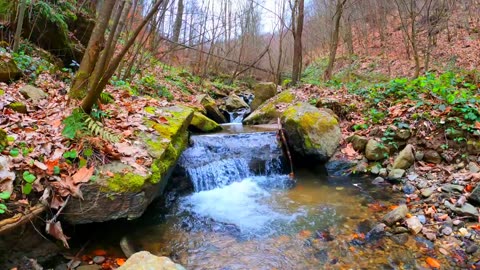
(18, 107)
(203, 123)
(128, 182)
(2, 92)
(268, 112)
(3, 138)
(150, 110)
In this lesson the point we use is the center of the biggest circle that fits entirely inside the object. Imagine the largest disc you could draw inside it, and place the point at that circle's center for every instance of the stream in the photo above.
(245, 212)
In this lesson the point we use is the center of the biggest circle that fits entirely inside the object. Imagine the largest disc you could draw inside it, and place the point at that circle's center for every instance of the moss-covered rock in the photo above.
(33, 93)
(262, 92)
(3, 138)
(405, 158)
(375, 151)
(235, 103)
(18, 107)
(270, 110)
(124, 192)
(204, 124)
(313, 134)
(8, 70)
(211, 107)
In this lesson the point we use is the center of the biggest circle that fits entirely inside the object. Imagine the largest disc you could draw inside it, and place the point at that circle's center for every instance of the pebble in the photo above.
(463, 232)
(457, 222)
(408, 188)
(396, 214)
(378, 180)
(447, 231)
(400, 229)
(452, 188)
(427, 192)
(414, 225)
(471, 249)
(422, 219)
(98, 259)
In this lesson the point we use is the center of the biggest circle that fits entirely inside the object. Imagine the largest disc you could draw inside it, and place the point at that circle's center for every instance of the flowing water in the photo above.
(246, 213)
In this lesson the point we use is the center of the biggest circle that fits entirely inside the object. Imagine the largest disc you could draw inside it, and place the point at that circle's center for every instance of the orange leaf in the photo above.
(99, 252)
(120, 261)
(51, 165)
(83, 175)
(476, 227)
(477, 125)
(469, 187)
(433, 263)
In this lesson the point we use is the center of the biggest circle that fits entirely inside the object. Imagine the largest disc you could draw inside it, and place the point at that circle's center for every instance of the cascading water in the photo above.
(217, 160)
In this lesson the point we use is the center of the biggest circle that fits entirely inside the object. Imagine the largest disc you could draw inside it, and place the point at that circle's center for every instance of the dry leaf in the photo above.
(83, 175)
(55, 230)
(40, 165)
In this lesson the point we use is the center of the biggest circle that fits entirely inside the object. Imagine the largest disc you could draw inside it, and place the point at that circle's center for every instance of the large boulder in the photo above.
(405, 158)
(144, 260)
(33, 93)
(8, 70)
(204, 124)
(375, 151)
(235, 103)
(211, 107)
(270, 110)
(125, 193)
(262, 92)
(312, 133)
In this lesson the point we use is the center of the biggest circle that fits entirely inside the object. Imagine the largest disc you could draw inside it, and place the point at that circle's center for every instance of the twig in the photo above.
(284, 142)
(19, 219)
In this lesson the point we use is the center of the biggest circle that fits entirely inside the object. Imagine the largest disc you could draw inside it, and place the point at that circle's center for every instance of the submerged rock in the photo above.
(202, 123)
(126, 193)
(270, 110)
(475, 195)
(466, 209)
(262, 92)
(405, 158)
(311, 132)
(144, 260)
(375, 151)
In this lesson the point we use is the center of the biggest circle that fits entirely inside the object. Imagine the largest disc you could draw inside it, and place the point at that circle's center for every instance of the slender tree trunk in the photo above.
(95, 45)
(94, 93)
(297, 43)
(334, 42)
(18, 32)
(178, 21)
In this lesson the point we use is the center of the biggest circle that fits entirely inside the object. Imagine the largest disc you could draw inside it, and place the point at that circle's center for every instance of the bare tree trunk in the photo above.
(18, 31)
(95, 45)
(94, 93)
(334, 42)
(297, 41)
(178, 21)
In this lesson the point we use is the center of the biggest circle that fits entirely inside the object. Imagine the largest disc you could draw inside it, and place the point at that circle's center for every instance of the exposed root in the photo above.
(21, 218)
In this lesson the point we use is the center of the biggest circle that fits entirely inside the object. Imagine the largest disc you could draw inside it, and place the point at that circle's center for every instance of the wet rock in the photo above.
(446, 230)
(383, 172)
(145, 261)
(211, 107)
(475, 195)
(378, 180)
(400, 239)
(125, 193)
(358, 142)
(472, 248)
(375, 168)
(432, 156)
(9, 70)
(263, 92)
(235, 103)
(414, 224)
(466, 209)
(18, 107)
(375, 151)
(270, 110)
(395, 215)
(452, 188)
(402, 134)
(339, 167)
(419, 155)
(405, 158)
(400, 229)
(396, 174)
(312, 133)
(473, 167)
(376, 233)
(408, 188)
(33, 93)
(427, 192)
(202, 123)
(422, 219)
(98, 259)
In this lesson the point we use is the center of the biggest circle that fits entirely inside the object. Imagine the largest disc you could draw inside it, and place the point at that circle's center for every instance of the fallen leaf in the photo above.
(83, 175)
(120, 261)
(40, 165)
(55, 230)
(349, 151)
(433, 263)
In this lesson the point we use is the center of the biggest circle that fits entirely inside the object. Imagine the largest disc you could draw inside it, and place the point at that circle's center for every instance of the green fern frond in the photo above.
(97, 129)
(106, 98)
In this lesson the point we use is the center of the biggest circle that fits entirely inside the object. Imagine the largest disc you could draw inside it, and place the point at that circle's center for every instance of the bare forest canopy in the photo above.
(274, 39)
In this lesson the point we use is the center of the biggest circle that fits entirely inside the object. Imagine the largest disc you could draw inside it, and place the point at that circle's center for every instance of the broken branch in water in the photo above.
(287, 150)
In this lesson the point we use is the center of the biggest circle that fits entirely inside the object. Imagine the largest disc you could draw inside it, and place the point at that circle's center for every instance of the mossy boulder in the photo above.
(33, 93)
(262, 92)
(272, 109)
(3, 138)
(9, 70)
(235, 103)
(313, 134)
(211, 107)
(375, 151)
(124, 192)
(204, 124)
(18, 107)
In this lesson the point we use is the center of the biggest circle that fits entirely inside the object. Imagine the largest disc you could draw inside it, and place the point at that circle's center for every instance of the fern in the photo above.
(106, 98)
(97, 129)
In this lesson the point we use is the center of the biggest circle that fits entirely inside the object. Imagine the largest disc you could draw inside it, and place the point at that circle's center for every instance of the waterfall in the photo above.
(220, 159)
(236, 117)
